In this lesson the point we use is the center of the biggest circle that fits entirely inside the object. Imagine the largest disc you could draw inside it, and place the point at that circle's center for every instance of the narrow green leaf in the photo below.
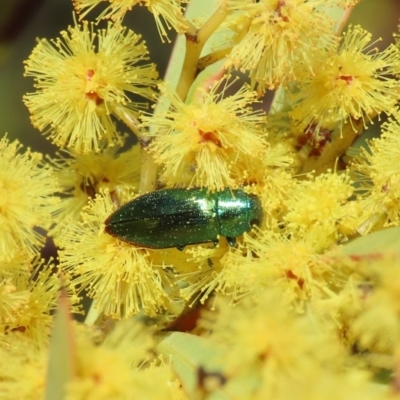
(188, 353)
(383, 241)
(61, 367)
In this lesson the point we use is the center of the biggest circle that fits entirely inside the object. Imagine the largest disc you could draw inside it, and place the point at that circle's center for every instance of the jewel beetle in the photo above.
(179, 217)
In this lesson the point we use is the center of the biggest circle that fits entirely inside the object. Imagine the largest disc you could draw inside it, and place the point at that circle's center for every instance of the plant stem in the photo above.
(212, 58)
(195, 41)
(129, 120)
(148, 177)
(343, 20)
(335, 149)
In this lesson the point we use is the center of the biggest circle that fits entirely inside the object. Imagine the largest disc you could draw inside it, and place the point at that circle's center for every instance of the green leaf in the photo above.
(188, 353)
(383, 241)
(61, 367)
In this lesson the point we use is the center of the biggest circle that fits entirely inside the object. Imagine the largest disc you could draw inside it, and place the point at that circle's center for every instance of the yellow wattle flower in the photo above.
(83, 79)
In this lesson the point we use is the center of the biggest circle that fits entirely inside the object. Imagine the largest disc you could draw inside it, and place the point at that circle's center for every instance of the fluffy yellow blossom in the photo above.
(167, 13)
(321, 205)
(120, 277)
(213, 142)
(22, 370)
(277, 185)
(268, 352)
(283, 39)
(202, 273)
(82, 176)
(379, 177)
(353, 82)
(27, 186)
(84, 78)
(370, 310)
(324, 384)
(118, 368)
(297, 268)
(28, 298)
(121, 367)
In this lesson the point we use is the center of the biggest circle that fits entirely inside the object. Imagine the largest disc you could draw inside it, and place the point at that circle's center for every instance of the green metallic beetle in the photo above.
(179, 217)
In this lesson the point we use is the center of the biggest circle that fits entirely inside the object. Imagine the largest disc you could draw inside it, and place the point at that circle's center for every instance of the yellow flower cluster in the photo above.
(379, 177)
(26, 186)
(102, 370)
(80, 84)
(167, 13)
(269, 354)
(282, 39)
(353, 82)
(214, 142)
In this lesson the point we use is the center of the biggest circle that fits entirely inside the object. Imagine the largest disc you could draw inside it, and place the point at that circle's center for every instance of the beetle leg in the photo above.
(231, 241)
